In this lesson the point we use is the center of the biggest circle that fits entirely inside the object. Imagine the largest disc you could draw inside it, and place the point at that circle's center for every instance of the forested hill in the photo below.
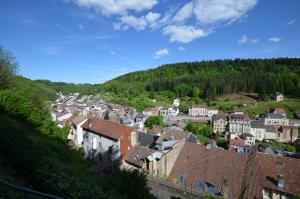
(209, 79)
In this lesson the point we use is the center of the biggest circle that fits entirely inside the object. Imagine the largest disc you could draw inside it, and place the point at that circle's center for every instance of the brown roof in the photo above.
(237, 142)
(237, 117)
(219, 167)
(137, 155)
(172, 134)
(273, 165)
(277, 110)
(106, 128)
(155, 130)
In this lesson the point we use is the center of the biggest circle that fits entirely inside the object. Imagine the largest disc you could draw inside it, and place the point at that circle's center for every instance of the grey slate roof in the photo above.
(146, 139)
(257, 124)
(274, 116)
(137, 155)
(77, 120)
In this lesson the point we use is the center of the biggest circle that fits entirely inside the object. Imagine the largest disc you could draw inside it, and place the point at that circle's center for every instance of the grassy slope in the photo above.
(25, 155)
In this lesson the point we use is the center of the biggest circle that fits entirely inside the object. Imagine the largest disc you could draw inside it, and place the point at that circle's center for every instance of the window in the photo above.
(181, 178)
(213, 190)
(94, 143)
(200, 186)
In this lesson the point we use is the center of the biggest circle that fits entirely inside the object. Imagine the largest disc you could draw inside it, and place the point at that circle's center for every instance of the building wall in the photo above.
(100, 148)
(270, 135)
(126, 143)
(166, 163)
(276, 122)
(219, 126)
(79, 134)
(258, 133)
(239, 127)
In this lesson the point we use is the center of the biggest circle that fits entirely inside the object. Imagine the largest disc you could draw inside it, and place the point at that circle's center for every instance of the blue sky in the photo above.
(95, 40)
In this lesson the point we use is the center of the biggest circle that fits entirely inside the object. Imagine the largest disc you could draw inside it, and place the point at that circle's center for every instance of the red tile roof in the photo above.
(277, 110)
(237, 142)
(255, 171)
(106, 128)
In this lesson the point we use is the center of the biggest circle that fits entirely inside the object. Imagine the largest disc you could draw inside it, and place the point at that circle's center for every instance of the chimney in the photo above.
(90, 123)
(280, 182)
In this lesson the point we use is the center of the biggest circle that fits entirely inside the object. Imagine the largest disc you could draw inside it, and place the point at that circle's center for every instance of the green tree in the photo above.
(8, 66)
(154, 120)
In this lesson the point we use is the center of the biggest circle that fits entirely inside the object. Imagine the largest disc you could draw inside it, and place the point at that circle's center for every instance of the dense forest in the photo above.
(34, 152)
(209, 79)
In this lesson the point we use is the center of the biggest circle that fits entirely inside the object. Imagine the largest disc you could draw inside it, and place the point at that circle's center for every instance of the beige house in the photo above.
(275, 119)
(200, 110)
(219, 123)
(160, 158)
(288, 133)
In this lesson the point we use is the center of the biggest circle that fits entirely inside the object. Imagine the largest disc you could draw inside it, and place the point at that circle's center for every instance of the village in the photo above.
(248, 166)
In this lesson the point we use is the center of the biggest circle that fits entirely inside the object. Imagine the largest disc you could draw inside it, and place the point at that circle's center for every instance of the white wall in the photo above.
(94, 150)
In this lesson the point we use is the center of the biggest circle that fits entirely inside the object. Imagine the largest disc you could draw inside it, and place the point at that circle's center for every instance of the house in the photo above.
(248, 138)
(104, 140)
(238, 145)
(156, 155)
(238, 124)
(171, 111)
(150, 112)
(76, 132)
(278, 111)
(140, 158)
(176, 102)
(228, 174)
(275, 119)
(257, 129)
(200, 110)
(219, 123)
(270, 133)
(278, 97)
(288, 133)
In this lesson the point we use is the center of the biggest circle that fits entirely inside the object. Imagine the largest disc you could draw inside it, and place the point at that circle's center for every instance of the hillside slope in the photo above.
(209, 79)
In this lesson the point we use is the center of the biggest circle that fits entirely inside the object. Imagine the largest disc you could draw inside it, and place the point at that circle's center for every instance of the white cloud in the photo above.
(112, 52)
(289, 23)
(161, 52)
(254, 41)
(216, 11)
(243, 39)
(183, 34)
(181, 48)
(80, 26)
(52, 51)
(184, 13)
(116, 7)
(139, 23)
(206, 16)
(274, 39)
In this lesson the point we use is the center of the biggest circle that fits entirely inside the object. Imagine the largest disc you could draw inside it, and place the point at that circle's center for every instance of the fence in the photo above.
(26, 191)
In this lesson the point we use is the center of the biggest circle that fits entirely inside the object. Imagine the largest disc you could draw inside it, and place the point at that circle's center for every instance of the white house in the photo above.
(258, 130)
(249, 139)
(199, 110)
(104, 140)
(278, 97)
(176, 102)
(170, 111)
(76, 132)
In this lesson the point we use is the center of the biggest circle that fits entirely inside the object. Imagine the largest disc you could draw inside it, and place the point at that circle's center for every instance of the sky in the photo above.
(92, 41)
